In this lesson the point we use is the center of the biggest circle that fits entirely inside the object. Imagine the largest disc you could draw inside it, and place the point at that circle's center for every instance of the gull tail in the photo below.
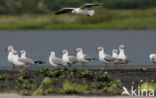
(39, 62)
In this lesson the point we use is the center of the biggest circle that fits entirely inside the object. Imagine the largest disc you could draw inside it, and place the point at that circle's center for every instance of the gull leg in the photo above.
(69, 66)
(85, 65)
(125, 66)
(27, 69)
(107, 66)
(120, 66)
(13, 68)
(21, 67)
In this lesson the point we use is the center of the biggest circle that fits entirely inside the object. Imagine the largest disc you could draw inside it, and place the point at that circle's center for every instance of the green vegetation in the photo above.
(103, 19)
(148, 86)
(61, 81)
(69, 87)
(48, 6)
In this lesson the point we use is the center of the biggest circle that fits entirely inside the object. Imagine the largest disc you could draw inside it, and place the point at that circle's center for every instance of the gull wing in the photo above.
(64, 10)
(88, 58)
(26, 61)
(73, 59)
(109, 58)
(58, 61)
(88, 5)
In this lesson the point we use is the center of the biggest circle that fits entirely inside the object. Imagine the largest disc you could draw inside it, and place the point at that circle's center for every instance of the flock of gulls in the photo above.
(118, 57)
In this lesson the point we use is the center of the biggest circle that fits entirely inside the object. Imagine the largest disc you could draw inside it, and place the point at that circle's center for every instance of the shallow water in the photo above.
(38, 44)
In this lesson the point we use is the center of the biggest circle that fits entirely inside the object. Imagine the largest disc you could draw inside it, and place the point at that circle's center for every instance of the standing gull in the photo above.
(115, 54)
(105, 58)
(83, 58)
(55, 61)
(123, 59)
(82, 10)
(10, 49)
(68, 59)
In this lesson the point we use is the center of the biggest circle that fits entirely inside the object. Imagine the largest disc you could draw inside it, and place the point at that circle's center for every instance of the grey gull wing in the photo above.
(88, 5)
(109, 58)
(88, 58)
(64, 10)
(26, 61)
(58, 61)
(73, 59)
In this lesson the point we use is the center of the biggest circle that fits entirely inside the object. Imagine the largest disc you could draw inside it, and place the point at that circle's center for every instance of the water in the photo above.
(38, 44)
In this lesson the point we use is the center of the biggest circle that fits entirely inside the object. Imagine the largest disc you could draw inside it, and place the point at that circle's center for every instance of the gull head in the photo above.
(22, 51)
(115, 51)
(99, 48)
(15, 52)
(78, 50)
(122, 47)
(9, 49)
(152, 56)
(52, 53)
(64, 51)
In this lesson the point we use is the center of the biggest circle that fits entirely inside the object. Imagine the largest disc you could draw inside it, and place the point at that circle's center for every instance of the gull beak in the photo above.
(96, 48)
(75, 51)
(125, 46)
(6, 49)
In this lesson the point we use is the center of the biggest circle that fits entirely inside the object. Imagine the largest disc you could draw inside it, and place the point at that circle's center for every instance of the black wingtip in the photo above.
(94, 59)
(39, 62)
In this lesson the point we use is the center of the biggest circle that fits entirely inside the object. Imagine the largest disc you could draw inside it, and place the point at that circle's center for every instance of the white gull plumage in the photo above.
(152, 58)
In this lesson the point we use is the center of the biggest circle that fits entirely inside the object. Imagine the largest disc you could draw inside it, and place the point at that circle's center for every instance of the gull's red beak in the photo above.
(96, 49)
(75, 51)
(6, 49)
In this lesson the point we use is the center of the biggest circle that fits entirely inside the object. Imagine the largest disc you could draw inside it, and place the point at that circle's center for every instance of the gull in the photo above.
(27, 60)
(10, 49)
(81, 10)
(115, 54)
(55, 61)
(123, 59)
(83, 58)
(16, 59)
(68, 59)
(105, 58)
(152, 58)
